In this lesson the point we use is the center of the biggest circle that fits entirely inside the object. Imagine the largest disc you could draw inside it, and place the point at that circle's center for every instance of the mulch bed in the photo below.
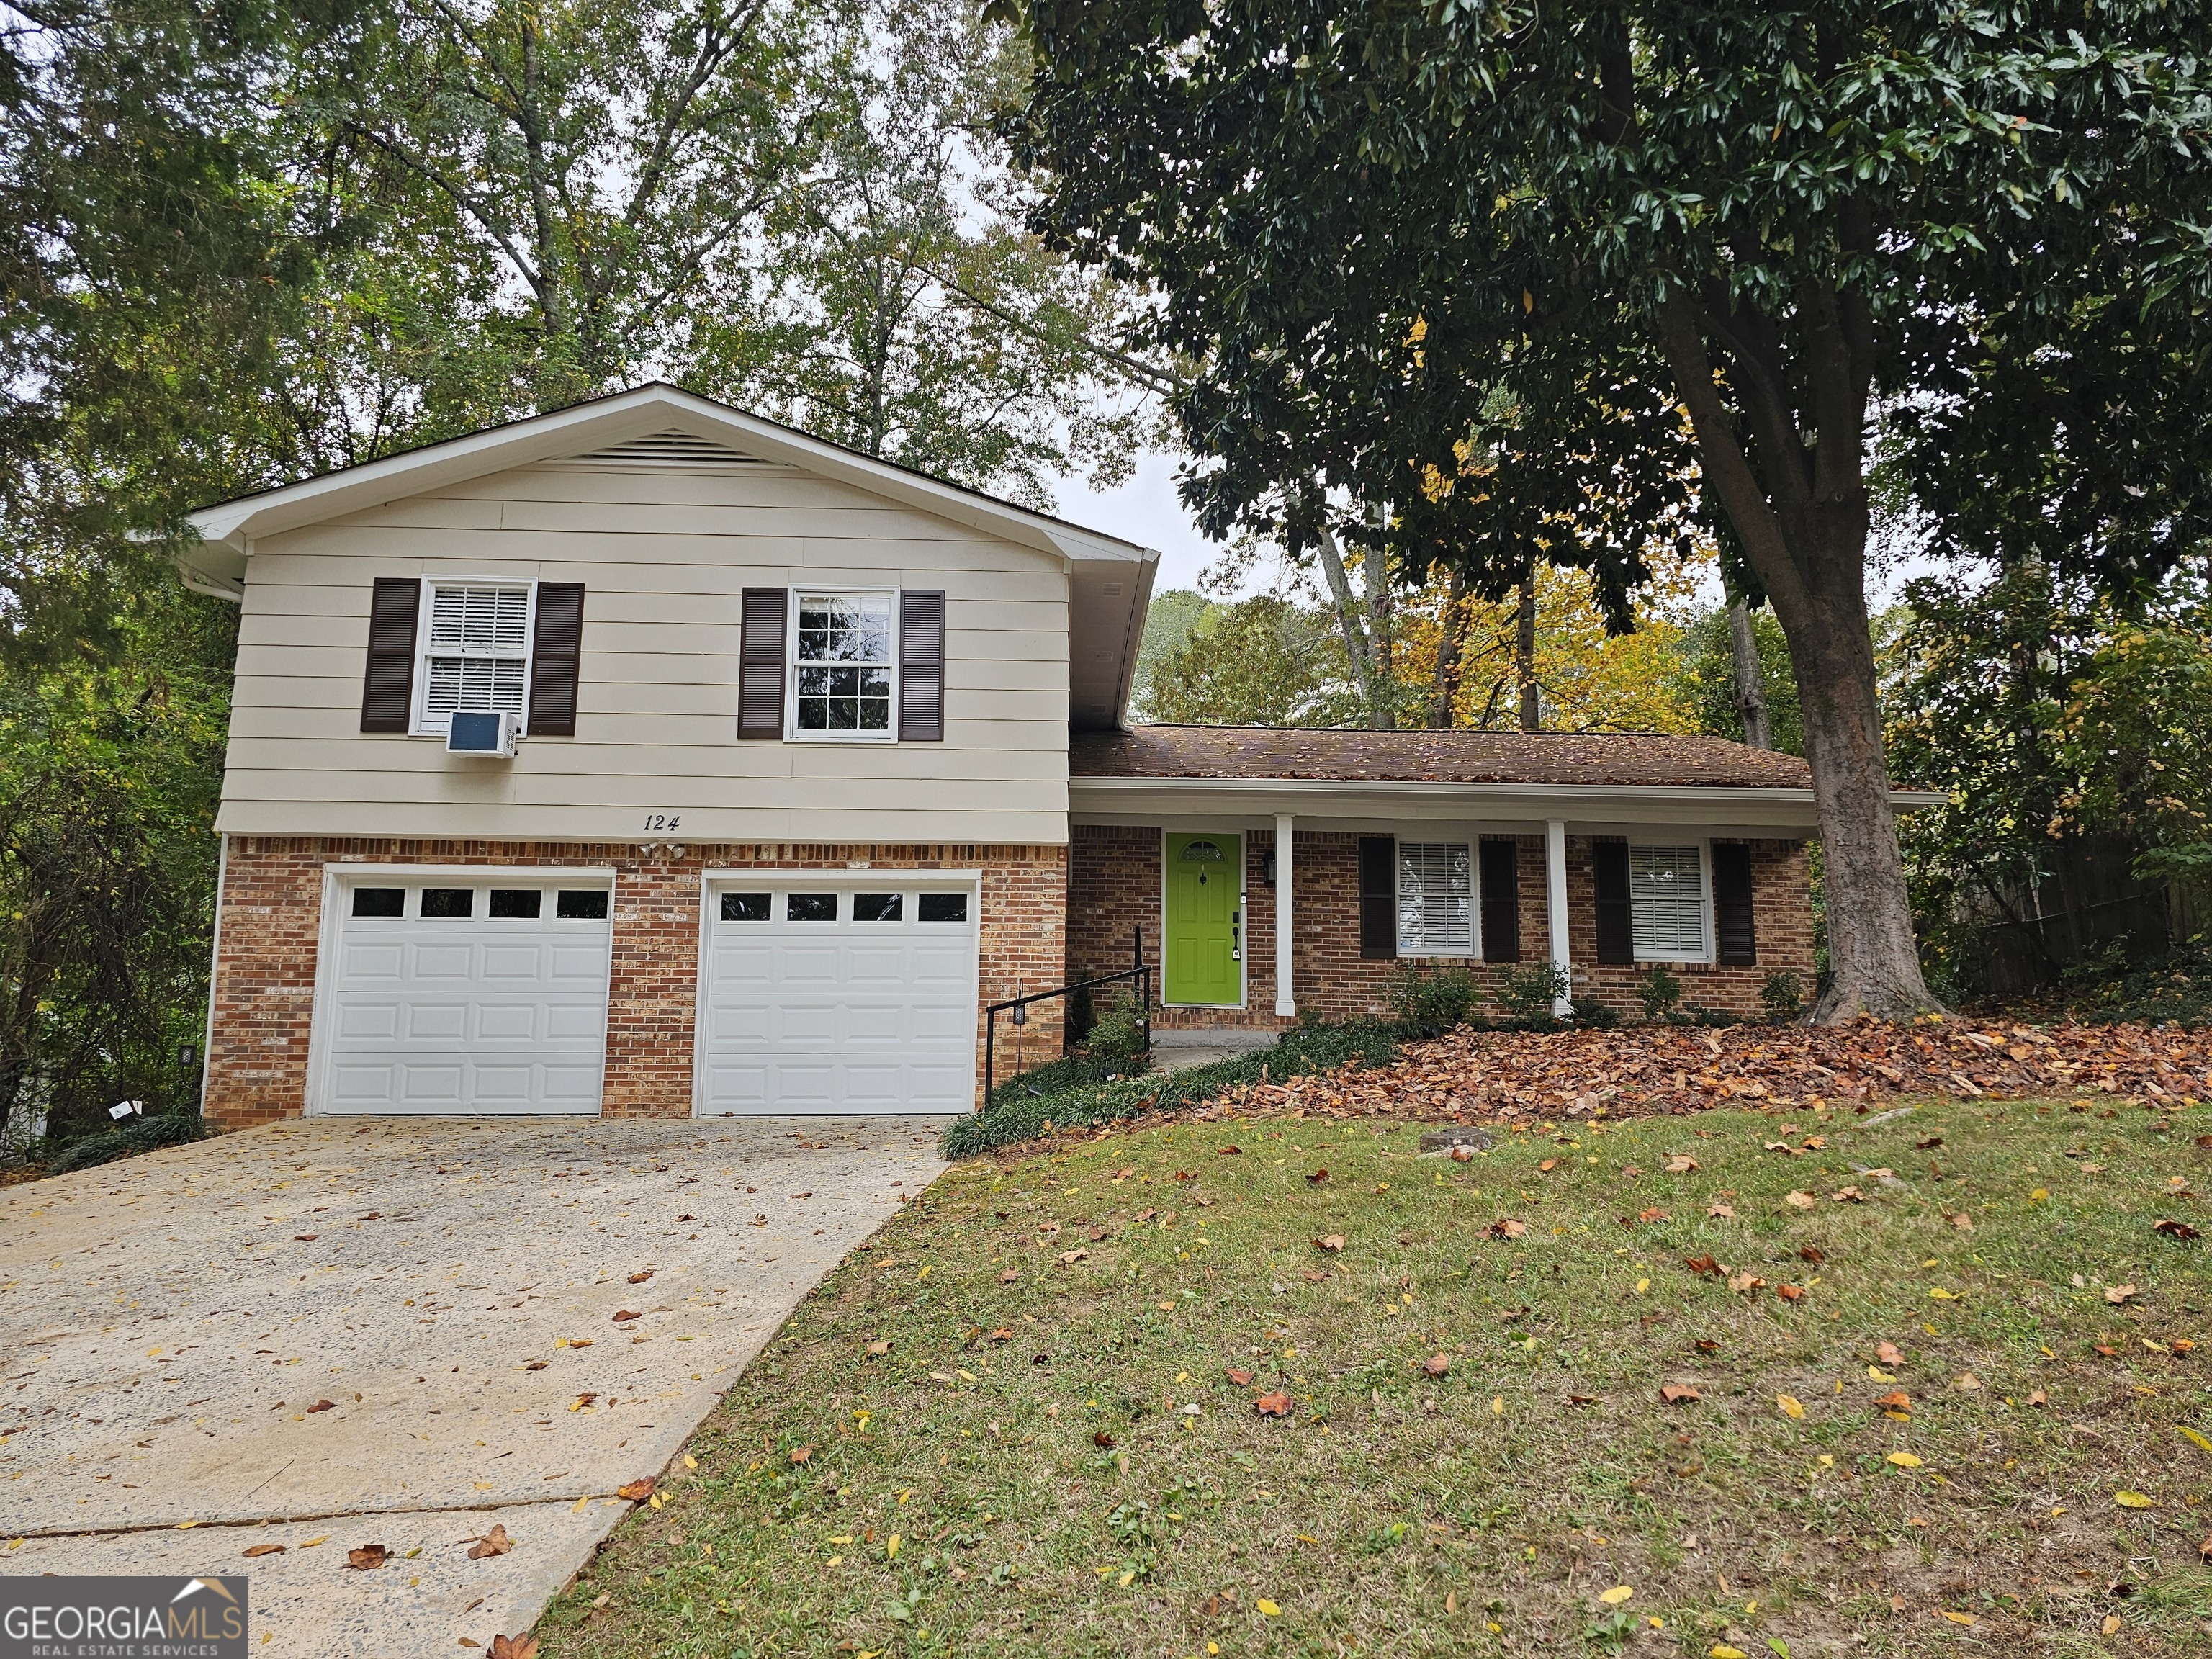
(1643, 1071)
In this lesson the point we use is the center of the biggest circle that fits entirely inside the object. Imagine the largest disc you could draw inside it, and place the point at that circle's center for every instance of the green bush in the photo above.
(1660, 993)
(1595, 1014)
(1018, 1113)
(1783, 995)
(1118, 1033)
(1529, 993)
(2175, 987)
(145, 1135)
(1426, 1001)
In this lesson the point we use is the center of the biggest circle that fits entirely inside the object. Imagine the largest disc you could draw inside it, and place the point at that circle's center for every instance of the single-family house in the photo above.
(650, 758)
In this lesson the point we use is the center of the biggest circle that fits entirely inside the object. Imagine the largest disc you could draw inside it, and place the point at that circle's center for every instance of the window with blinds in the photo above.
(1435, 899)
(1666, 903)
(476, 652)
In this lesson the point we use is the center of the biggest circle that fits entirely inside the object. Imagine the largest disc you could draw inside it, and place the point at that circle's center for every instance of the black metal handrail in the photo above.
(1142, 973)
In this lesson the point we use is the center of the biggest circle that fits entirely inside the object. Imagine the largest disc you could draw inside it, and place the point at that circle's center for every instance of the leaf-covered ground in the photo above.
(1026, 1421)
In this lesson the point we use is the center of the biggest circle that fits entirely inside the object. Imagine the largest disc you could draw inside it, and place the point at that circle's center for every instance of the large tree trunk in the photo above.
(1451, 645)
(1750, 676)
(1795, 495)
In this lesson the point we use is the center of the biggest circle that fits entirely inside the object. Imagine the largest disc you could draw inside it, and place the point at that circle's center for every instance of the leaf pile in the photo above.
(1674, 1069)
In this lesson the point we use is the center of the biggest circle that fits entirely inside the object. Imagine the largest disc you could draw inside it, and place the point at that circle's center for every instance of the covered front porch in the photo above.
(1265, 899)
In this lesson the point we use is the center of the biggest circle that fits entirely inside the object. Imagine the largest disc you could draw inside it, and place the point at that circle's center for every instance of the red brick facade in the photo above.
(271, 920)
(1114, 888)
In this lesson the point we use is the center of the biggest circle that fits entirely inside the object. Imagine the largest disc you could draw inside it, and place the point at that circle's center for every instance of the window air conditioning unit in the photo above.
(490, 735)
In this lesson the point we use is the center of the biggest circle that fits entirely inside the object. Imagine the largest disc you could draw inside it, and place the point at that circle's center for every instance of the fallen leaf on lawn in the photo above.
(1889, 1353)
(2180, 1230)
(2196, 1439)
(1674, 1394)
(524, 1646)
(1929, 1144)
(640, 1279)
(1272, 1405)
(1229, 1151)
(1849, 1195)
(1242, 1378)
(1681, 1163)
(1266, 1607)
(802, 1454)
(1332, 1242)
(1102, 1440)
(880, 1347)
(1812, 1253)
(1435, 1364)
(1654, 1215)
(1745, 1283)
(1967, 1380)
(1723, 1650)
(2039, 1398)
(2134, 1500)
(1703, 1264)
(1963, 1222)
(1508, 1229)
(362, 1557)
(1011, 1276)
(1895, 1401)
(1800, 1200)
(1956, 1618)
(1791, 1406)
(495, 1542)
(1720, 1212)
(1547, 1166)
(1463, 1154)
(1069, 1258)
(635, 1490)
(2116, 1294)
(265, 1549)
(1318, 1176)
(323, 1405)
(1904, 1460)
(1791, 1292)
(1002, 1335)
(1312, 1275)
(1616, 1595)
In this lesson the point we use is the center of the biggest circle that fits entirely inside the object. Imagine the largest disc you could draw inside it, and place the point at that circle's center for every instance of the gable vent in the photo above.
(672, 449)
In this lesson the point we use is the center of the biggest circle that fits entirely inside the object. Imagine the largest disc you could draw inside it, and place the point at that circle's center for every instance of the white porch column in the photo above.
(1286, 1002)
(1555, 902)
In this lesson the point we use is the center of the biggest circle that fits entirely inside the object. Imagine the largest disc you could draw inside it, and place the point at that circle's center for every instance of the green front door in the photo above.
(1204, 921)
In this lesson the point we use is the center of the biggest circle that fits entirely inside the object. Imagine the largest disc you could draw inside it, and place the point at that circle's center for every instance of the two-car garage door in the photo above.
(487, 994)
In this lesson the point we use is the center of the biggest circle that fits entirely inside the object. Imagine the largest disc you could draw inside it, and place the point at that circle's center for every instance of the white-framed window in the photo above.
(844, 666)
(473, 651)
(1435, 899)
(1666, 903)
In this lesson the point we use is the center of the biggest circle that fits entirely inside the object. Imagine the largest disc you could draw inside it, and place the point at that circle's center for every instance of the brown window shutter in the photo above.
(1378, 898)
(557, 648)
(1737, 939)
(388, 689)
(760, 663)
(921, 667)
(1616, 926)
(1501, 902)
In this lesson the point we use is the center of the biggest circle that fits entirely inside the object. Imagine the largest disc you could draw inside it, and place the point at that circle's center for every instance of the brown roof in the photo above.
(1539, 757)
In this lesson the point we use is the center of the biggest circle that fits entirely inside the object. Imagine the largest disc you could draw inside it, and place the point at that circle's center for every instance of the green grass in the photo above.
(1071, 1093)
(1028, 1444)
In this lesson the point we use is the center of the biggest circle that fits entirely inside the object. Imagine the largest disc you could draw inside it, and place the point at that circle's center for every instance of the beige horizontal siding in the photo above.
(663, 556)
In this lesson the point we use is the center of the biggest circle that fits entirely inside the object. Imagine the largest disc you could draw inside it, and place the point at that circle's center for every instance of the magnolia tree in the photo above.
(1383, 225)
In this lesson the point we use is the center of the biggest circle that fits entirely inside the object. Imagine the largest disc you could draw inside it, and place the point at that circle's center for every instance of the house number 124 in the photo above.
(662, 821)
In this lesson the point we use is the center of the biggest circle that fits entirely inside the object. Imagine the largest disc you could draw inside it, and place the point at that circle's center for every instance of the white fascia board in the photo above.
(1125, 799)
(613, 420)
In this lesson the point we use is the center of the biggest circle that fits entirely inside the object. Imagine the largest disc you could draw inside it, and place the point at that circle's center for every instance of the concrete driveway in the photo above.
(332, 1332)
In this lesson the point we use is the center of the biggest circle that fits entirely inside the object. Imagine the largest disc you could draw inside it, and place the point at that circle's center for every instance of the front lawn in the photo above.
(1025, 1422)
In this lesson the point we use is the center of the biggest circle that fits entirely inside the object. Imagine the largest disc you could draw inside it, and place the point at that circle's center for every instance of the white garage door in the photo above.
(480, 997)
(837, 995)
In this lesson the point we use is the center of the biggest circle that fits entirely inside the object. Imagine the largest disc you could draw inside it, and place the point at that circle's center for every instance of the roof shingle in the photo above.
(1358, 756)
